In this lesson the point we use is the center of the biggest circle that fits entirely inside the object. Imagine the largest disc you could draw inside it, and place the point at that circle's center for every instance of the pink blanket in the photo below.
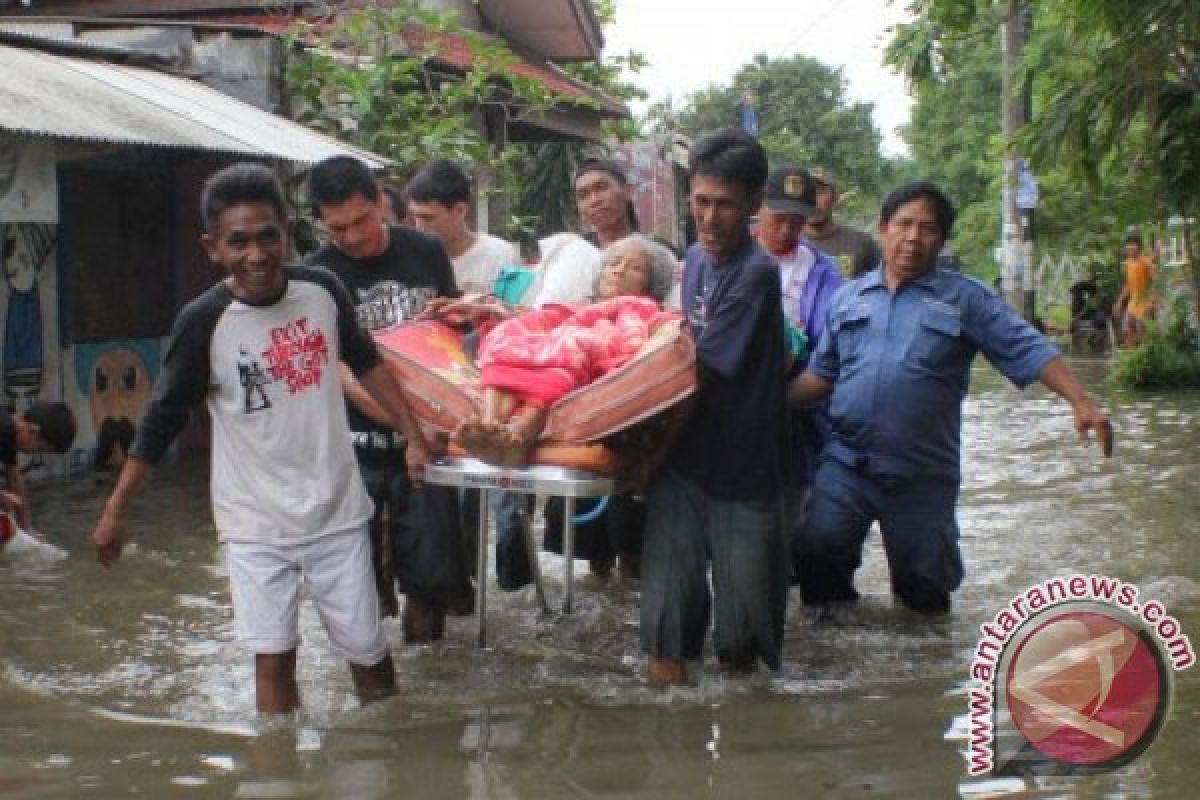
(544, 354)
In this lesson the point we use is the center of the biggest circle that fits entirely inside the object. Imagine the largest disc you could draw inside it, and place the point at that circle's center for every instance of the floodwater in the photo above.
(124, 682)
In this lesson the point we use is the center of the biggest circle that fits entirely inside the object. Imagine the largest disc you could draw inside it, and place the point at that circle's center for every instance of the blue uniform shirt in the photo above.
(900, 364)
(734, 445)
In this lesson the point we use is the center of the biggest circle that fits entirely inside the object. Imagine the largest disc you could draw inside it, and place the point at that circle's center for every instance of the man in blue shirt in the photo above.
(895, 362)
(718, 499)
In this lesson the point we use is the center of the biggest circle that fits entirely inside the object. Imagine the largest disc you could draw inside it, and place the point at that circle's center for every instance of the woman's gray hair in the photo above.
(662, 263)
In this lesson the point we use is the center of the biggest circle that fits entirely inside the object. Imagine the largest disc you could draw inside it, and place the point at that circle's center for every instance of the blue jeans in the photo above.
(512, 556)
(745, 543)
(920, 536)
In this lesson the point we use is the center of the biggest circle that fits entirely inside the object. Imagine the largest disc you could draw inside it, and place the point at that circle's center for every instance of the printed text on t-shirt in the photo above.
(297, 355)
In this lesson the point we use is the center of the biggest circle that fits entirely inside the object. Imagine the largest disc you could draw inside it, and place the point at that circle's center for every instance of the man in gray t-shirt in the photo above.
(855, 251)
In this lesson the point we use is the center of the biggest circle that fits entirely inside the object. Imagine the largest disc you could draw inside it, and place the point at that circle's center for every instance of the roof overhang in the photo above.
(91, 100)
(563, 30)
(574, 96)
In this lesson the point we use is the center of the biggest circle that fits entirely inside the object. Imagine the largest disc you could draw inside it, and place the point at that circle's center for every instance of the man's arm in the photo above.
(111, 534)
(16, 485)
(1058, 378)
(361, 399)
(808, 389)
(381, 385)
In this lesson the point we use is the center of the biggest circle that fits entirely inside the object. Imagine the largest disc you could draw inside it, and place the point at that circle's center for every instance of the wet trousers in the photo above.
(920, 536)
(416, 534)
(746, 545)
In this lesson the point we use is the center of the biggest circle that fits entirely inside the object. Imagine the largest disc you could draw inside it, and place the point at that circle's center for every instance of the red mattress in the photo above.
(441, 383)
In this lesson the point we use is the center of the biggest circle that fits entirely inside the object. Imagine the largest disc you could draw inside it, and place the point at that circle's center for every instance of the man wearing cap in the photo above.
(808, 278)
(856, 252)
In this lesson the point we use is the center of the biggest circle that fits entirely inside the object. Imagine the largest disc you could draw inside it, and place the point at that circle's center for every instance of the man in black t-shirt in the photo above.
(42, 428)
(718, 500)
(392, 272)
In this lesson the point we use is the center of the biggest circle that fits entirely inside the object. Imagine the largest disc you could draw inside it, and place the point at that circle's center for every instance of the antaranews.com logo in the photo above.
(1073, 673)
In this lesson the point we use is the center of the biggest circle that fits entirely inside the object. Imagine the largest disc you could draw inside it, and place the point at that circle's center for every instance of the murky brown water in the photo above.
(125, 682)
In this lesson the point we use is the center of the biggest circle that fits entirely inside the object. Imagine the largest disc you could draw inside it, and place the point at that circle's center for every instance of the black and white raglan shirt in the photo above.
(283, 470)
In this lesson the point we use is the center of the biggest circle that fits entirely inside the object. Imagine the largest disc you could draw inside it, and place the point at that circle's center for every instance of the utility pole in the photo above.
(1020, 191)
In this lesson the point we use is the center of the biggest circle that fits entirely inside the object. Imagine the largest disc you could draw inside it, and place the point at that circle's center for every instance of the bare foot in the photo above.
(475, 436)
(525, 428)
(664, 672)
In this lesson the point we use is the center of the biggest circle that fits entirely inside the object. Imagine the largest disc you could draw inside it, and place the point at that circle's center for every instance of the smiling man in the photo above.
(260, 349)
(718, 498)
(895, 362)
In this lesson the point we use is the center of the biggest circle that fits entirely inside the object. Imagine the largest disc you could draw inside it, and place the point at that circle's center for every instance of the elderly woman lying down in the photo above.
(531, 359)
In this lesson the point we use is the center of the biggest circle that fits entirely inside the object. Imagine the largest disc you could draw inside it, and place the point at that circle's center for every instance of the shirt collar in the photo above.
(875, 280)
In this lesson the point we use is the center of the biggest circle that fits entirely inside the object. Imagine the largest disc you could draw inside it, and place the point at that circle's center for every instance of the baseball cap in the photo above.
(824, 176)
(791, 190)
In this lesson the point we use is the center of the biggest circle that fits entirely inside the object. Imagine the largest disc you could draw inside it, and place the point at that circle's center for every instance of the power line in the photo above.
(811, 26)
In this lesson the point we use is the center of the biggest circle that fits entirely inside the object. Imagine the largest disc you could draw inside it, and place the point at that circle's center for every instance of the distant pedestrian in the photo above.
(748, 116)
(1136, 299)
(855, 251)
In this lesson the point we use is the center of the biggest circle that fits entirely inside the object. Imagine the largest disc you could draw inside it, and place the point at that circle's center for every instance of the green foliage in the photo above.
(547, 194)
(1169, 357)
(1123, 77)
(545, 201)
(806, 117)
(609, 75)
(954, 137)
(1116, 128)
(364, 84)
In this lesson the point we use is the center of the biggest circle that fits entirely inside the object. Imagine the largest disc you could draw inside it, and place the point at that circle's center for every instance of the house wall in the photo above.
(655, 191)
(243, 66)
(31, 359)
(91, 282)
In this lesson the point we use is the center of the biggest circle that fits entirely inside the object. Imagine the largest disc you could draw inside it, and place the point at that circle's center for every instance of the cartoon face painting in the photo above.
(119, 392)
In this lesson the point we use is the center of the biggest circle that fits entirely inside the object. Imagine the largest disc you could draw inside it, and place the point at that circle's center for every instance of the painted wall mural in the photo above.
(116, 378)
(107, 384)
(25, 250)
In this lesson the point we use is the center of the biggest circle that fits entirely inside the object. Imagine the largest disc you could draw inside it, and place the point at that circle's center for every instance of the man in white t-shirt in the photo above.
(260, 349)
(439, 198)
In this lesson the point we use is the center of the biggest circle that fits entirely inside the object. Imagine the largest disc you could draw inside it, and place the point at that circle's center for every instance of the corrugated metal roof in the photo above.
(43, 94)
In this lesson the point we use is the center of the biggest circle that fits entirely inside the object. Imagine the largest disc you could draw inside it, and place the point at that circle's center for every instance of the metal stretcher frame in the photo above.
(569, 484)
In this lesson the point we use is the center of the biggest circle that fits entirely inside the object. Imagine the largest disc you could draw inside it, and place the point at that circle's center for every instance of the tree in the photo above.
(806, 118)
(545, 202)
(371, 76)
(954, 139)
(1116, 87)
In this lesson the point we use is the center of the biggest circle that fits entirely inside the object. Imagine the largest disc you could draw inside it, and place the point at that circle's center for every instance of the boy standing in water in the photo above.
(260, 348)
